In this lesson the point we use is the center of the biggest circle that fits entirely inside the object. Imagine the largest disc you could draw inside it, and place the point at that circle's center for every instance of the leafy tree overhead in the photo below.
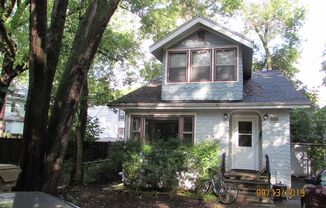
(13, 43)
(151, 70)
(323, 66)
(276, 23)
(60, 58)
(158, 17)
(46, 137)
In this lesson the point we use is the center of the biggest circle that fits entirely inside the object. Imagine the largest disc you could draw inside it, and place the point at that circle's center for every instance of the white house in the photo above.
(207, 89)
(110, 121)
(13, 111)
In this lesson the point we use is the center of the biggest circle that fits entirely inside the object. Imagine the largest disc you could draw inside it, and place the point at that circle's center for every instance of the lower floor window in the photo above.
(164, 127)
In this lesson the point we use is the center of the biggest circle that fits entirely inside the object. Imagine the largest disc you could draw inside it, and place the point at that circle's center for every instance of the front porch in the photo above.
(250, 183)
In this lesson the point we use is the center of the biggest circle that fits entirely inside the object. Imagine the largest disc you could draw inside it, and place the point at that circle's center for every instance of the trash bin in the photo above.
(8, 176)
(279, 191)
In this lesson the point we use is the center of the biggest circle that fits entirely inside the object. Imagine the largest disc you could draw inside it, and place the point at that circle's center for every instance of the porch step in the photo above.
(257, 182)
(249, 175)
(250, 188)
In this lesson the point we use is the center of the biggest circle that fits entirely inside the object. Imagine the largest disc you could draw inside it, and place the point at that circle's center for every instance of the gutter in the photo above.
(258, 105)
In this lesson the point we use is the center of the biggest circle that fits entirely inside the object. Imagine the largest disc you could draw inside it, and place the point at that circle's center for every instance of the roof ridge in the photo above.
(198, 18)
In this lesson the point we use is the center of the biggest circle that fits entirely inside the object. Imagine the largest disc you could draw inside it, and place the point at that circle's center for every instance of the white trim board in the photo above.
(231, 106)
(208, 23)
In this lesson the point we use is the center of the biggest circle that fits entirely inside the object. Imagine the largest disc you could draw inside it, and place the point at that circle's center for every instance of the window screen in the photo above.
(225, 65)
(136, 127)
(177, 67)
(188, 126)
(201, 66)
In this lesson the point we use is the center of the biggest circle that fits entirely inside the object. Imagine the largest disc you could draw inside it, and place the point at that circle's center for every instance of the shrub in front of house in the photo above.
(166, 164)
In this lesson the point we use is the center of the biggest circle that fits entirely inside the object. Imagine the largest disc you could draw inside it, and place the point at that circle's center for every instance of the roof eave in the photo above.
(219, 28)
(257, 105)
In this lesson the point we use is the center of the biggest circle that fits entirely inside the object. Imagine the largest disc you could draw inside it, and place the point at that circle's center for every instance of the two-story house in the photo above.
(208, 90)
(13, 112)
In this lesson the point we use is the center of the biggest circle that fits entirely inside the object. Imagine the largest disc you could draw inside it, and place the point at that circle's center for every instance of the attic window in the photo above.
(225, 65)
(177, 70)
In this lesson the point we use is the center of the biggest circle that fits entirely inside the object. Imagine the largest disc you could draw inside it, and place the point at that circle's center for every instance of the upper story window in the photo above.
(200, 65)
(225, 65)
(177, 70)
(13, 107)
(121, 116)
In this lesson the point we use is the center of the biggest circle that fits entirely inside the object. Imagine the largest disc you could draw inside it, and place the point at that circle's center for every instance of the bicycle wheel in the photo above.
(204, 187)
(228, 193)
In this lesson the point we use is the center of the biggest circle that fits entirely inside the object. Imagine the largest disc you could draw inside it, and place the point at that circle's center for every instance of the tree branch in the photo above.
(7, 39)
(54, 36)
(104, 53)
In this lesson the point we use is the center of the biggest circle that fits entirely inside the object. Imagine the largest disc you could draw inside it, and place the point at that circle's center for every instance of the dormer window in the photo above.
(177, 70)
(200, 66)
(197, 63)
(225, 65)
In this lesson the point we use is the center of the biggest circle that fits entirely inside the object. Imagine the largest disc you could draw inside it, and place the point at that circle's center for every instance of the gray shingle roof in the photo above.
(263, 87)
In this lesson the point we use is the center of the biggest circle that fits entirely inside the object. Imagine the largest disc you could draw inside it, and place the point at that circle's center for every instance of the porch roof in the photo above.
(266, 89)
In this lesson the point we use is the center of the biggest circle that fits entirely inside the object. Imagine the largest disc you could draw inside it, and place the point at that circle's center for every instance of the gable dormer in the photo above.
(203, 61)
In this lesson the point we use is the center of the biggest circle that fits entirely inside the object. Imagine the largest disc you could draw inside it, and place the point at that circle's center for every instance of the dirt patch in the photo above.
(106, 196)
(101, 195)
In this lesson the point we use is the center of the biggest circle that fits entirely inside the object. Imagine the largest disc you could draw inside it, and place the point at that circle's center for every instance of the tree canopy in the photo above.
(276, 24)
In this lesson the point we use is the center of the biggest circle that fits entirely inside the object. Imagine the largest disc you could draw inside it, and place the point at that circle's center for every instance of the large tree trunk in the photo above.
(89, 34)
(268, 56)
(39, 91)
(34, 128)
(77, 171)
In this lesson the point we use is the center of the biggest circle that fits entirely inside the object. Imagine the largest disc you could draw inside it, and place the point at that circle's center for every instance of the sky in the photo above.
(314, 36)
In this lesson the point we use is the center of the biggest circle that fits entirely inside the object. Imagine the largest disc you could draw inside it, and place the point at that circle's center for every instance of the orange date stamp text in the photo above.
(284, 193)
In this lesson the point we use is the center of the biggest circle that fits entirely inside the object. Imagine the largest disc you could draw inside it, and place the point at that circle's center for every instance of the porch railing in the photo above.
(268, 170)
(222, 167)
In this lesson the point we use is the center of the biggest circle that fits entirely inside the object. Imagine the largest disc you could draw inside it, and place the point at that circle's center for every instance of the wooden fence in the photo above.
(11, 150)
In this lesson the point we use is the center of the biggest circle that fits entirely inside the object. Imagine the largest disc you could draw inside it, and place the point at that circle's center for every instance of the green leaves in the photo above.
(323, 66)
(163, 164)
(151, 70)
(277, 23)
(308, 126)
(159, 17)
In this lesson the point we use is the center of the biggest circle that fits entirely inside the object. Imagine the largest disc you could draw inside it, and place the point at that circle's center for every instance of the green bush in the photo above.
(162, 164)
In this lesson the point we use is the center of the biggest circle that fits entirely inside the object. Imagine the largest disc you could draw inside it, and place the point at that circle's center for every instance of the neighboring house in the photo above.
(110, 122)
(208, 90)
(13, 112)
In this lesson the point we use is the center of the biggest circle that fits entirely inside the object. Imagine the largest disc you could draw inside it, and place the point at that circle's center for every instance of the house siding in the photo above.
(273, 141)
(229, 90)
(276, 144)
(211, 40)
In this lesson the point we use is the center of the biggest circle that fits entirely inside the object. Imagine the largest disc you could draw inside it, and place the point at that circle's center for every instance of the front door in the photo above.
(245, 142)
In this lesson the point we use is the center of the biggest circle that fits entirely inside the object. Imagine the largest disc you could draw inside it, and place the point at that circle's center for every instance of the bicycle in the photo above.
(226, 193)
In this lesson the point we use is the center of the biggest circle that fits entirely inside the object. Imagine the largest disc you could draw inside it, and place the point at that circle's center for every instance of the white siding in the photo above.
(274, 140)
(276, 144)
(108, 122)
